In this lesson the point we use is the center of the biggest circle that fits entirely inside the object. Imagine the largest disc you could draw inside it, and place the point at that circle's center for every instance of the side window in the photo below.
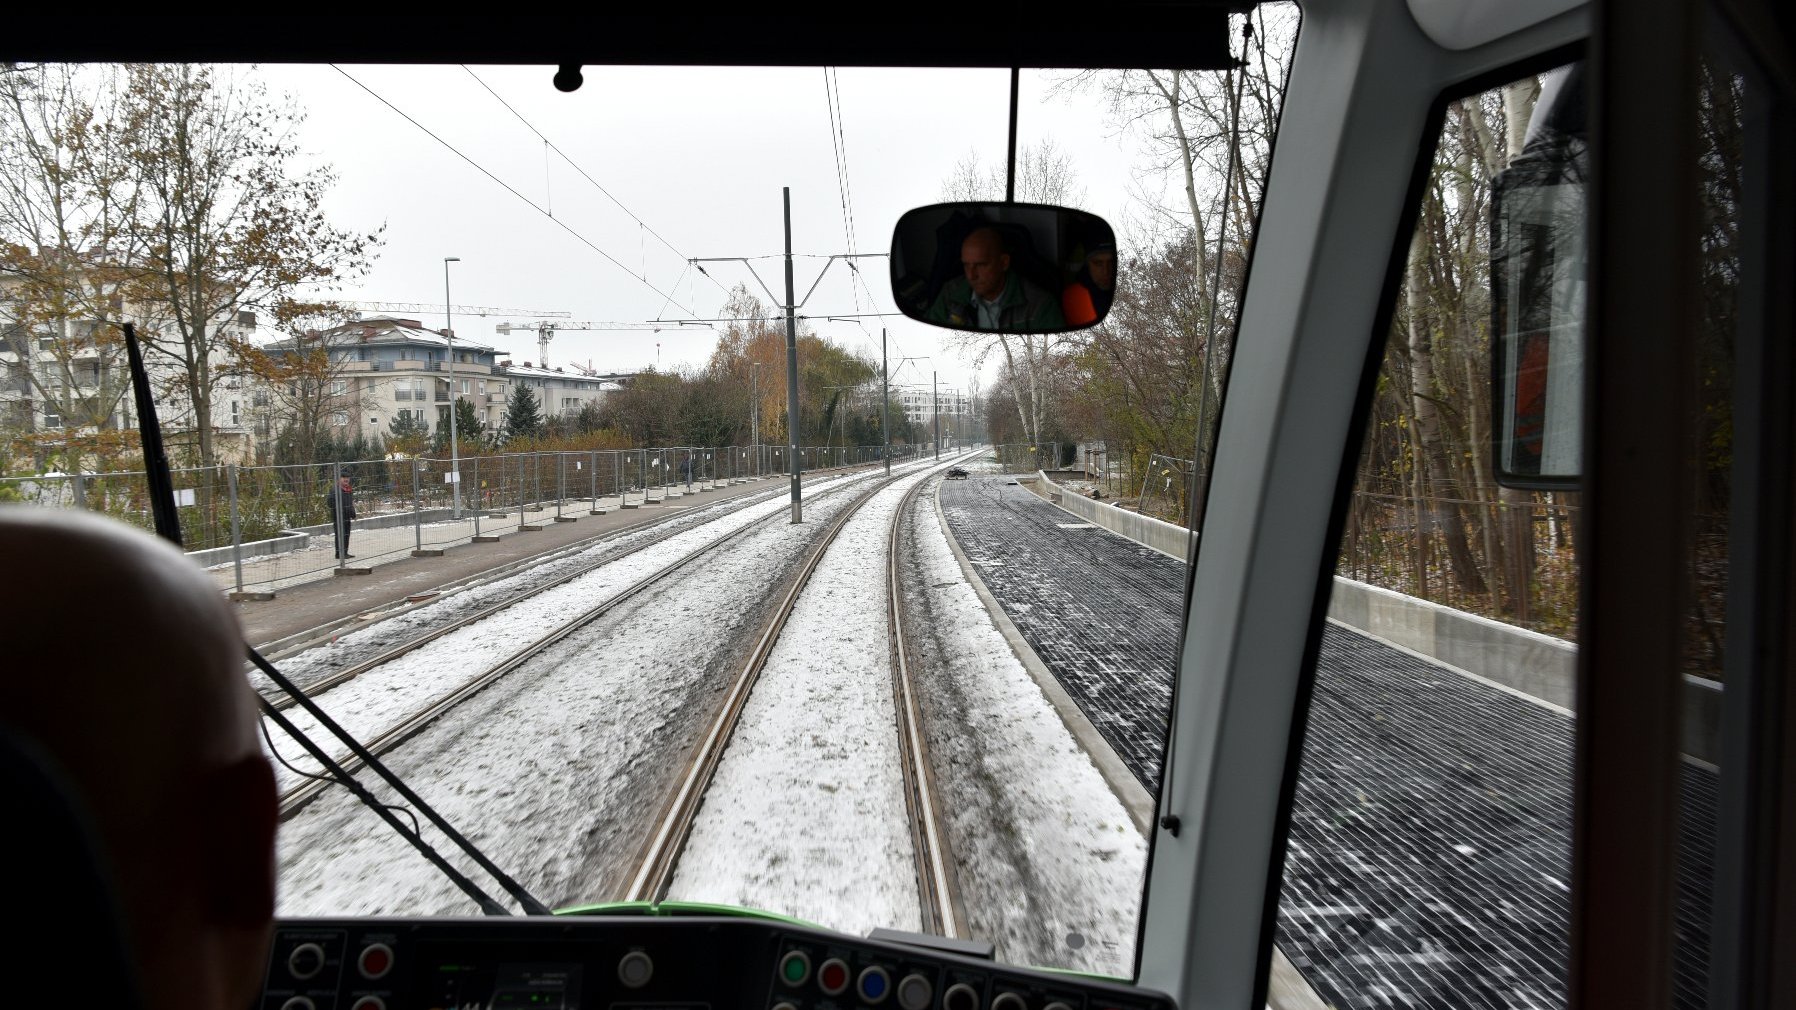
(1429, 855)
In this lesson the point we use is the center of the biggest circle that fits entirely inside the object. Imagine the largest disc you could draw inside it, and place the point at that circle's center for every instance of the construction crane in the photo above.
(545, 331)
(460, 310)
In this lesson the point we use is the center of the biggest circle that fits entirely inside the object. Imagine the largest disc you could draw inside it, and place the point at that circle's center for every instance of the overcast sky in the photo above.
(699, 155)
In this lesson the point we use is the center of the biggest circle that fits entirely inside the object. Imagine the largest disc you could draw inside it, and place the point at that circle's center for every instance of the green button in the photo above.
(795, 968)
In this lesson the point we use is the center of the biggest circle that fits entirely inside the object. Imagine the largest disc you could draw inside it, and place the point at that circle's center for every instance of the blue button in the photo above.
(874, 984)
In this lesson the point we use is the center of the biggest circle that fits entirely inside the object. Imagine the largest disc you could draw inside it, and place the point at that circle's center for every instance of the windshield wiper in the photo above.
(168, 526)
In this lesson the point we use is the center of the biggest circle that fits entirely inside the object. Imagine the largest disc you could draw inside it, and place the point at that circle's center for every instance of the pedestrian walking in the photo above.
(342, 506)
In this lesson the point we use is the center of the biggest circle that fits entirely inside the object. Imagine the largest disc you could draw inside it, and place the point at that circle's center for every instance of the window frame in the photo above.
(1291, 423)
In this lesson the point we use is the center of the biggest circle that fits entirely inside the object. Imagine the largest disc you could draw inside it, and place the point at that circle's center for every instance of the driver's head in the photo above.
(1101, 264)
(131, 679)
(986, 264)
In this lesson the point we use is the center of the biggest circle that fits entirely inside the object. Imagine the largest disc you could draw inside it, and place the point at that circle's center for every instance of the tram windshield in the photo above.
(482, 400)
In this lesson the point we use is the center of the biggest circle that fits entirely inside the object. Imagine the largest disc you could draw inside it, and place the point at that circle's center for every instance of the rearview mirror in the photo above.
(1010, 267)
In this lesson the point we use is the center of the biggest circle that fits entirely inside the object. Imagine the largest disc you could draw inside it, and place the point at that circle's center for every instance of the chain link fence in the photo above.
(259, 529)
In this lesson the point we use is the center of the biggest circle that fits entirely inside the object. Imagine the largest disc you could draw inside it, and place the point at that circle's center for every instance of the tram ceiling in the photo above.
(1186, 36)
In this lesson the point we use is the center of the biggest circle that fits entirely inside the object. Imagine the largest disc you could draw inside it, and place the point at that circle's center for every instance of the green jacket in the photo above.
(1023, 308)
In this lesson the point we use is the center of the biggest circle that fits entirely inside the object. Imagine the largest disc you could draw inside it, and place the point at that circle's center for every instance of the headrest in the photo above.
(60, 888)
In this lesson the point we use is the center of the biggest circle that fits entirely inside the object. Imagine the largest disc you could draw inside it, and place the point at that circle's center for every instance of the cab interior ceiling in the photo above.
(1117, 35)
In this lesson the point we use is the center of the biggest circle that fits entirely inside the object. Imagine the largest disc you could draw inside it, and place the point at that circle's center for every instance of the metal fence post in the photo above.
(338, 519)
(236, 528)
(520, 492)
(81, 490)
(479, 495)
(594, 463)
(417, 516)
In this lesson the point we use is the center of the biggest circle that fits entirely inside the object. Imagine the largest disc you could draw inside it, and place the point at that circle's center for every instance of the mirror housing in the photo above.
(1003, 267)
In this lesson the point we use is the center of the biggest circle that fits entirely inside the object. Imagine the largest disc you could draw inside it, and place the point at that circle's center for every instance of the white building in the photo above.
(560, 393)
(53, 382)
(385, 367)
(919, 404)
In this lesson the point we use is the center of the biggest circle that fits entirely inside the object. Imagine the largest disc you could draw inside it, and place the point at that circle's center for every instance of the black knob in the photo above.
(306, 960)
(960, 996)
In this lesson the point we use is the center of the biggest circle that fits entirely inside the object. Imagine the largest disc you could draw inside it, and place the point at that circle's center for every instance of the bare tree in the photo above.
(299, 382)
(226, 221)
(67, 199)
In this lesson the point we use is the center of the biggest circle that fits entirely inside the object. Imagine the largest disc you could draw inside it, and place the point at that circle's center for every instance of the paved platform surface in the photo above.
(1429, 856)
(396, 575)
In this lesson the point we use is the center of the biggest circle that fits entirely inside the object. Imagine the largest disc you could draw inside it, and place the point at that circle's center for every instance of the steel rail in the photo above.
(298, 797)
(314, 690)
(661, 854)
(938, 890)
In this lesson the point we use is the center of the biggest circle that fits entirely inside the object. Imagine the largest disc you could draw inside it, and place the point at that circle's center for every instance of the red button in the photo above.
(833, 976)
(375, 961)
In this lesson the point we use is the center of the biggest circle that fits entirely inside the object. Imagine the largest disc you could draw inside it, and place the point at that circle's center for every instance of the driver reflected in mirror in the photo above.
(998, 267)
(989, 295)
(1087, 299)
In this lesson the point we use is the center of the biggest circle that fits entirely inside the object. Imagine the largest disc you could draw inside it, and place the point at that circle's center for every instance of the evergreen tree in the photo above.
(407, 433)
(523, 418)
(468, 426)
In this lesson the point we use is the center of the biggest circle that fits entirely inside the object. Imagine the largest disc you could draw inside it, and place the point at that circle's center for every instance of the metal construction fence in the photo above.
(261, 528)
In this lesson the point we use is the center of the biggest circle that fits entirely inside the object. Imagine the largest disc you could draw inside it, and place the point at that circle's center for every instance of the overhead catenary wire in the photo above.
(549, 145)
(509, 189)
(832, 101)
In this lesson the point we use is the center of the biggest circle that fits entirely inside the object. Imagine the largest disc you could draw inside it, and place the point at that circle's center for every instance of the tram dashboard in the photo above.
(625, 963)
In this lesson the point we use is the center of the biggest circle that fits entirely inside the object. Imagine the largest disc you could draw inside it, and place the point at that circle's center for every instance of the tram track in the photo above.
(938, 891)
(675, 526)
(935, 880)
(295, 799)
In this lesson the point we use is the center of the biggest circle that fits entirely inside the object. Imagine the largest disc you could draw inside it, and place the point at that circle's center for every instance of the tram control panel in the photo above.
(646, 963)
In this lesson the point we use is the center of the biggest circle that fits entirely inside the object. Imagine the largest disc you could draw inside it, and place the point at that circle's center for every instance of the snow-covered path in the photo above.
(1050, 865)
(806, 814)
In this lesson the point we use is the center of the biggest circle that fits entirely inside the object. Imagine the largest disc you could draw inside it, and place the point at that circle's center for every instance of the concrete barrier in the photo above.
(1536, 666)
(287, 541)
(1167, 538)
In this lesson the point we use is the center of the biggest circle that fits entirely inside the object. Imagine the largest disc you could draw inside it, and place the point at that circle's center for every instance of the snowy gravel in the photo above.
(806, 814)
(555, 771)
(383, 697)
(1050, 867)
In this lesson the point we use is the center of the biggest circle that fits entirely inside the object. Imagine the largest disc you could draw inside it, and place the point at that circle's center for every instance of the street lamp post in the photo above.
(754, 417)
(454, 441)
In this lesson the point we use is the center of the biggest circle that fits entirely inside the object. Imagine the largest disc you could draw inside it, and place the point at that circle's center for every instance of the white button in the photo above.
(1009, 1001)
(299, 1003)
(914, 992)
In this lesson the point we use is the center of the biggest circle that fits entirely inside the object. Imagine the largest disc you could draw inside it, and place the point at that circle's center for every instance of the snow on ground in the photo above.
(806, 814)
(1050, 867)
(390, 693)
(352, 647)
(555, 770)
